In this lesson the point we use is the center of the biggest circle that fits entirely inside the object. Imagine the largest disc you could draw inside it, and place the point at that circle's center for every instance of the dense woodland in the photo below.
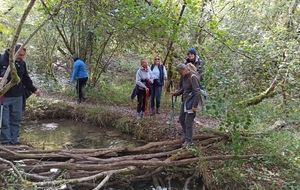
(251, 53)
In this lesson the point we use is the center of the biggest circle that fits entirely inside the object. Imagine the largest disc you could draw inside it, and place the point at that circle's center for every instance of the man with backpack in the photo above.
(13, 98)
(197, 62)
(190, 91)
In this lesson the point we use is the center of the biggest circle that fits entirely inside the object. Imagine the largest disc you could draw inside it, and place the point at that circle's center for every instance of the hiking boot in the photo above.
(152, 112)
(157, 111)
(6, 143)
(138, 116)
(187, 144)
(83, 99)
(142, 115)
(78, 100)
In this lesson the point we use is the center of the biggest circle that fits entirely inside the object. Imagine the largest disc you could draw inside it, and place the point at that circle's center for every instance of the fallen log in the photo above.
(80, 166)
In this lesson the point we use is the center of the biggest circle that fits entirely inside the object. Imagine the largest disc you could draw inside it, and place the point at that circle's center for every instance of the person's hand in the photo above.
(147, 89)
(4, 82)
(37, 93)
(172, 93)
(194, 109)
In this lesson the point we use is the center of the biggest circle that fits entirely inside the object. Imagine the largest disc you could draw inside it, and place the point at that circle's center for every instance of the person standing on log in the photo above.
(144, 80)
(81, 75)
(189, 90)
(13, 98)
(159, 73)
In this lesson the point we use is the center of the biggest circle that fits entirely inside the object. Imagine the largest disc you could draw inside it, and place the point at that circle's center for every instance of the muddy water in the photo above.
(57, 134)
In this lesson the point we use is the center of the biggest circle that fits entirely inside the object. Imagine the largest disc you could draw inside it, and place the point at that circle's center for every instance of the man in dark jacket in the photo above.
(190, 99)
(196, 61)
(12, 107)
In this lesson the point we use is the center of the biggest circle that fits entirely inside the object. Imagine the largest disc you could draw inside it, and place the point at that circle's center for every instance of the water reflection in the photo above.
(57, 134)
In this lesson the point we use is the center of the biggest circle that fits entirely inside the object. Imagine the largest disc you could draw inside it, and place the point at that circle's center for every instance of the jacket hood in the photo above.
(6, 54)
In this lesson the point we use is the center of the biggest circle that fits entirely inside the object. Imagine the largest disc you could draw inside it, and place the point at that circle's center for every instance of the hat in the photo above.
(192, 51)
(75, 56)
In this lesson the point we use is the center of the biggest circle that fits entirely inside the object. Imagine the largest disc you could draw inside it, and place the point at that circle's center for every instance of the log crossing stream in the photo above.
(155, 165)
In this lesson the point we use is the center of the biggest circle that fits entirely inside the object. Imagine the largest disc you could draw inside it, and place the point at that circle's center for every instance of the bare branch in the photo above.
(14, 76)
(19, 176)
(233, 50)
(84, 179)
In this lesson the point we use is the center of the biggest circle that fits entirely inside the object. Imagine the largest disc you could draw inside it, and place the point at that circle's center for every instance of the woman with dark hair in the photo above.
(159, 73)
(81, 75)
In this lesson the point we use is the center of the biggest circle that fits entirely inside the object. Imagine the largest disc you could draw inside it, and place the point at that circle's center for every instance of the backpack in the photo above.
(203, 94)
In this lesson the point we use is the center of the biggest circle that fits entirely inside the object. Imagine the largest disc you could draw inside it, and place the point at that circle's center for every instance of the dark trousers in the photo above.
(80, 84)
(156, 95)
(141, 97)
(186, 120)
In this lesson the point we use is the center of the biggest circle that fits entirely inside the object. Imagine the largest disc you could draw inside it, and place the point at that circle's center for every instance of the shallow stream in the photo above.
(58, 134)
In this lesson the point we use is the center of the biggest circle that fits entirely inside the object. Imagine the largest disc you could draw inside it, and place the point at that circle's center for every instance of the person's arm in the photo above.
(151, 76)
(75, 71)
(180, 90)
(196, 91)
(138, 80)
(27, 82)
(165, 73)
(200, 69)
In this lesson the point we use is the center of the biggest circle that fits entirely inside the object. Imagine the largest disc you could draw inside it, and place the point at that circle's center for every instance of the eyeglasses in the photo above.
(156, 59)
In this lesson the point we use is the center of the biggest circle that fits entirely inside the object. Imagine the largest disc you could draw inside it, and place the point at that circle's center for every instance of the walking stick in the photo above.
(147, 104)
(173, 104)
(1, 112)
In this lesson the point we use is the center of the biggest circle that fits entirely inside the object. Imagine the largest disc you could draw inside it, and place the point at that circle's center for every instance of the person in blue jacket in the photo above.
(81, 75)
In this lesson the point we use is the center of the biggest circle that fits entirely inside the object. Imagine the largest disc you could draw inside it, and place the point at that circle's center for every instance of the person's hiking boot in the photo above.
(138, 116)
(142, 115)
(83, 99)
(17, 143)
(6, 143)
(157, 111)
(78, 100)
(152, 112)
(187, 144)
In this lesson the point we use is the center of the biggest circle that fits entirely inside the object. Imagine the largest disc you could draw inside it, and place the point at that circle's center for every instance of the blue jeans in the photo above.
(156, 94)
(11, 119)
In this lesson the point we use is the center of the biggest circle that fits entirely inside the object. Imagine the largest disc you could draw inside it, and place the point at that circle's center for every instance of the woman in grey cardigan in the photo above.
(144, 80)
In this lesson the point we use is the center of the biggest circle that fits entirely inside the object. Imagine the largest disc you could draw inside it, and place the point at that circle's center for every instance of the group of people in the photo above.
(149, 83)
(13, 100)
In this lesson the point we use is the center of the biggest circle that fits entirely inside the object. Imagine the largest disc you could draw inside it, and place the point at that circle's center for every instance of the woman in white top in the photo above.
(159, 73)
